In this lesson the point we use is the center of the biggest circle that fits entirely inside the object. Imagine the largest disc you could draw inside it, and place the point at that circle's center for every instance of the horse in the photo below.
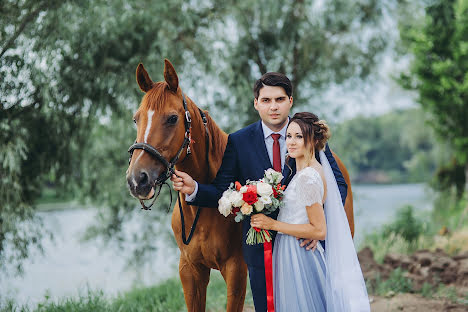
(170, 126)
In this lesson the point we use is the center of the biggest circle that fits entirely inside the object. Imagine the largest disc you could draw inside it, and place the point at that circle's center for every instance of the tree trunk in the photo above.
(466, 177)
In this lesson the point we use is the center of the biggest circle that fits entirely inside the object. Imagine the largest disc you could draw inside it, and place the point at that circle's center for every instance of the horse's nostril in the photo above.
(143, 178)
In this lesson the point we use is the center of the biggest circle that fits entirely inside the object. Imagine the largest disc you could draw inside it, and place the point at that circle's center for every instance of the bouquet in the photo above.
(262, 196)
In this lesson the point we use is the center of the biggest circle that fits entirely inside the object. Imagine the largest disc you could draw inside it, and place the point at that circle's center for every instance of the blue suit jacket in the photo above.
(246, 158)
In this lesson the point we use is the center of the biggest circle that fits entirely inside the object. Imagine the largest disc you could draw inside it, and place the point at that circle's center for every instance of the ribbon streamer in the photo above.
(268, 261)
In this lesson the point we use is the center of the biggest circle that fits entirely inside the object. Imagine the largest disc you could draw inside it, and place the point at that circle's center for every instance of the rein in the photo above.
(170, 165)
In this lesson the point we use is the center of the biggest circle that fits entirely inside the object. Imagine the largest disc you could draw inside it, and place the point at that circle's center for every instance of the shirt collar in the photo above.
(267, 131)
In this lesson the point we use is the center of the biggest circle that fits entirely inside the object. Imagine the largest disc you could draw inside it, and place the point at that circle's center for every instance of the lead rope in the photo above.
(186, 240)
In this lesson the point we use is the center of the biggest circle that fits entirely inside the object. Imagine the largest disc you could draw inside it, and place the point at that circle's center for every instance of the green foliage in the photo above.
(68, 89)
(439, 72)
(450, 176)
(427, 290)
(167, 296)
(315, 45)
(450, 293)
(66, 66)
(405, 234)
(394, 147)
(406, 225)
(449, 211)
(396, 283)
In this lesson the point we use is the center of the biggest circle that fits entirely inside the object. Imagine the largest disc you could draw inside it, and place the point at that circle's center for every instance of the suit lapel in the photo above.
(259, 146)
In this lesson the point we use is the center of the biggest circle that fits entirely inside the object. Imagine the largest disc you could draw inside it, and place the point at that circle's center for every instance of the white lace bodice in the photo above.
(306, 188)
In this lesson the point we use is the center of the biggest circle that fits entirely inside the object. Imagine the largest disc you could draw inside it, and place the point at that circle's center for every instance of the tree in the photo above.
(66, 65)
(438, 73)
(68, 85)
(316, 45)
(397, 147)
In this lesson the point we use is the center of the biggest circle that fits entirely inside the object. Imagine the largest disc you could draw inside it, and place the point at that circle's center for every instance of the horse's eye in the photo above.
(172, 119)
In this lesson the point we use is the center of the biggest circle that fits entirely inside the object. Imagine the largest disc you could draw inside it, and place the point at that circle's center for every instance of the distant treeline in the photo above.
(397, 147)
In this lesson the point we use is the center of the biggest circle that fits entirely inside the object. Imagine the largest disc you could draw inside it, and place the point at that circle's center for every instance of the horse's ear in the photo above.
(143, 79)
(170, 75)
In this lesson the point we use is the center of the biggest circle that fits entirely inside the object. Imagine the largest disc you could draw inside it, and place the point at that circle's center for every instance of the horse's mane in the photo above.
(156, 98)
(219, 136)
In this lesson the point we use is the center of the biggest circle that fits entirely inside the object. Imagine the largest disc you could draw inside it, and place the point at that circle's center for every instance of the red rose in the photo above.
(235, 210)
(250, 197)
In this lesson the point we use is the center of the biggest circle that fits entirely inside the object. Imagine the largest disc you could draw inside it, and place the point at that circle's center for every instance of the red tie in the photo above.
(276, 152)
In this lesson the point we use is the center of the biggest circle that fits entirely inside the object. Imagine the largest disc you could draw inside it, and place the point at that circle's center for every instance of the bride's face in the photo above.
(295, 141)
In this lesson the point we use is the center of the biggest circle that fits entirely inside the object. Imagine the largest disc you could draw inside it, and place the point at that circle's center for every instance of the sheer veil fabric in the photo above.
(345, 289)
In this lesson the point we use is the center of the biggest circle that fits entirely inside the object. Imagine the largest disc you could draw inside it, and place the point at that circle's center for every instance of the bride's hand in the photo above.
(262, 222)
(182, 182)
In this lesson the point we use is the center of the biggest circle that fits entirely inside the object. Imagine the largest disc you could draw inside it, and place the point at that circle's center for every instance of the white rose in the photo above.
(264, 189)
(236, 199)
(265, 200)
(243, 189)
(259, 206)
(224, 204)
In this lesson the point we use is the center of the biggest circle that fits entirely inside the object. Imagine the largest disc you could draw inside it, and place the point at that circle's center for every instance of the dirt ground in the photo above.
(413, 303)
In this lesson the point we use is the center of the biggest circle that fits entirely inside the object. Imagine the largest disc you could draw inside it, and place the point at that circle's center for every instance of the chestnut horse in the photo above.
(163, 128)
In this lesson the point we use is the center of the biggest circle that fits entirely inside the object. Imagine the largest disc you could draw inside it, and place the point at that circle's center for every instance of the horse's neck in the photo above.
(196, 164)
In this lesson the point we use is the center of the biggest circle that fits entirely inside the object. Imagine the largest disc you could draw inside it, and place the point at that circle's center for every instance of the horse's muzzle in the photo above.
(141, 184)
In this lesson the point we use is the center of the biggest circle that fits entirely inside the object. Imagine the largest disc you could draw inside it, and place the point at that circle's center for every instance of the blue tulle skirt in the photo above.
(299, 276)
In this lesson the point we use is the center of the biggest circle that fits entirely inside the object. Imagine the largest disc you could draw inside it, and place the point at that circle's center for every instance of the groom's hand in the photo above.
(311, 244)
(182, 182)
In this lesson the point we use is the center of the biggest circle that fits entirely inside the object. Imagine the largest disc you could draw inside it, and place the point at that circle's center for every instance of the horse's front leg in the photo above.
(194, 278)
(234, 272)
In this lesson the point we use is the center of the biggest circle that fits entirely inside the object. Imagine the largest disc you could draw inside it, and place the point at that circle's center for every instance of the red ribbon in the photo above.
(268, 261)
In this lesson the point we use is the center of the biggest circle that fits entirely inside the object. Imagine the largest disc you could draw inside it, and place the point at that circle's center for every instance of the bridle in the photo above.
(162, 178)
(155, 153)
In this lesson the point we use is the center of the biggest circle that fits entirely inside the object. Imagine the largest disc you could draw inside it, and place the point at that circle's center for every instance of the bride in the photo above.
(330, 277)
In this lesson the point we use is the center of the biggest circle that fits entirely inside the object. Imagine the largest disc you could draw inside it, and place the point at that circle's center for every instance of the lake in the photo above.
(69, 266)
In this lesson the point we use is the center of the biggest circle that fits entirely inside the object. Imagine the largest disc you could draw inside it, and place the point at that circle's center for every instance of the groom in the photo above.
(249, 152)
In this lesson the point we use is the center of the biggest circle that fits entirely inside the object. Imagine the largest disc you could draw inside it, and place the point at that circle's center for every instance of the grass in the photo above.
(396, 283)
(165, 297)
(445, 228)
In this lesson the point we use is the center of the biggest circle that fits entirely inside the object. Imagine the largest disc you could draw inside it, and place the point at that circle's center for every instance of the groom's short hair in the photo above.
(273, 79)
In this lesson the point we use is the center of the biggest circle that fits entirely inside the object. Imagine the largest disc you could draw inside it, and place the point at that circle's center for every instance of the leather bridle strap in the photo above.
(155, 153)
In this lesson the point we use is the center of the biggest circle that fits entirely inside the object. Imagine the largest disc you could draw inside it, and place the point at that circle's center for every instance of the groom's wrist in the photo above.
(191, 197)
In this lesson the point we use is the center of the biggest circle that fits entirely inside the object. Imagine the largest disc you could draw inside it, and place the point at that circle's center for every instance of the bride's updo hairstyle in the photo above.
(315, 131)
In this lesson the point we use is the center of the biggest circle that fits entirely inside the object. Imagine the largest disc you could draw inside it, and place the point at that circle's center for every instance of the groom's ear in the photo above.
(256, 103)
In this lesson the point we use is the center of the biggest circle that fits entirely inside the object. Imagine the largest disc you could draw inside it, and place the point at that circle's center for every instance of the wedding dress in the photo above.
(323, 280)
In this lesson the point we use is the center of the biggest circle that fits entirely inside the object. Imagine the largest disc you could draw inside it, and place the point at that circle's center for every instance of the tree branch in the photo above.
(26, 20)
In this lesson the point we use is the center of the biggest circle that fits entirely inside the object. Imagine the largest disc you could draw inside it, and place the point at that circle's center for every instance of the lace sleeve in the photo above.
(309, 187)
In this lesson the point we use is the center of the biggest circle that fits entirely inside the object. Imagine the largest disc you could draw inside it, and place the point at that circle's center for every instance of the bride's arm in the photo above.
(315, 229)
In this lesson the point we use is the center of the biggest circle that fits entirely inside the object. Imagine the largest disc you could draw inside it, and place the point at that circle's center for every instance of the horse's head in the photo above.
(162, 128)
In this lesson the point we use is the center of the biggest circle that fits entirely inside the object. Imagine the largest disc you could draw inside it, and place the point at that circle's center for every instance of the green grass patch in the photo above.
(165, 297)
(396, 283)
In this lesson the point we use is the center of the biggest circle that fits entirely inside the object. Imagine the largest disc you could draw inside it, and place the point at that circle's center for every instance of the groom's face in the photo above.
(273, 106)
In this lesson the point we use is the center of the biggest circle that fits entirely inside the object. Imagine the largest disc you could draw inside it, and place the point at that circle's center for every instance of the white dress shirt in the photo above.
(267, 132)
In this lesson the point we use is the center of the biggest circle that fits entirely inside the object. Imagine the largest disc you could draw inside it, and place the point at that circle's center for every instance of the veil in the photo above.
(345, 289)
